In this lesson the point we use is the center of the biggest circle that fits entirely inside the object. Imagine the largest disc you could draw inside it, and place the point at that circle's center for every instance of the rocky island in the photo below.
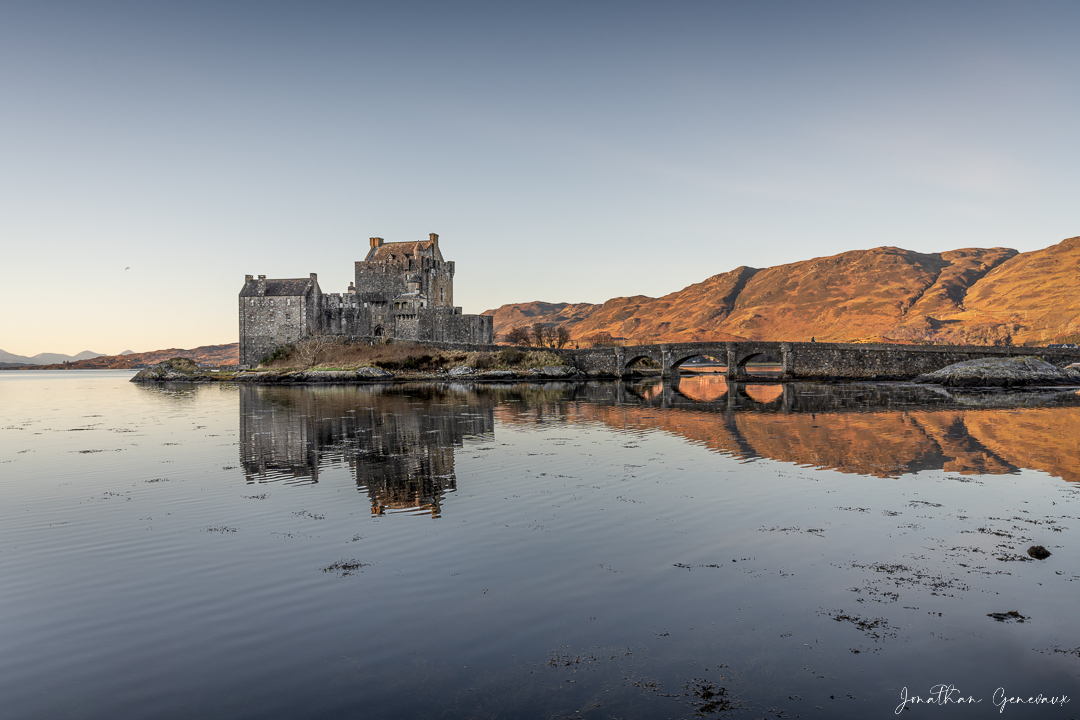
(1001, 372)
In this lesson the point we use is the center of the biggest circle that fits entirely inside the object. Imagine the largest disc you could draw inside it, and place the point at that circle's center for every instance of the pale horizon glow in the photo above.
(564, 152)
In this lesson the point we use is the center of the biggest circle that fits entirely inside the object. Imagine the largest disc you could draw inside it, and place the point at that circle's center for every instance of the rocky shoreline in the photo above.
(989, 373)
(184, 370)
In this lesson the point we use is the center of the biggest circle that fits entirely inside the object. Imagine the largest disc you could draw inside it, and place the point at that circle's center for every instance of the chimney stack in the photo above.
(376, 242)
(434, 238)
(248, 278)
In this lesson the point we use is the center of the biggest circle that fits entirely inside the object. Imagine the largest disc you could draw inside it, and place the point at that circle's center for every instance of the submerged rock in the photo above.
(173, 369)
(1038, 552)
(1001, 372)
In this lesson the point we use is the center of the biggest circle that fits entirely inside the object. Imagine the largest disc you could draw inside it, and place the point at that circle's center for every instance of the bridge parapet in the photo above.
(805, 361)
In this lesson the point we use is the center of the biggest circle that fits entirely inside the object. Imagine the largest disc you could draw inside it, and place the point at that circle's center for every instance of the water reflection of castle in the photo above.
(399, 444)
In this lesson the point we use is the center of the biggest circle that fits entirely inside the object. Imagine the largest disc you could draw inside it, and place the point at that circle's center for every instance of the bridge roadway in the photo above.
(803, 360)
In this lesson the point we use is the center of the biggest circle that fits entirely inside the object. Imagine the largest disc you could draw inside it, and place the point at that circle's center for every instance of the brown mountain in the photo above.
(204, 355)
(887, 294)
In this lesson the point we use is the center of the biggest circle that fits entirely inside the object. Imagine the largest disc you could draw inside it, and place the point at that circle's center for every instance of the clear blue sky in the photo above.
(564, 152)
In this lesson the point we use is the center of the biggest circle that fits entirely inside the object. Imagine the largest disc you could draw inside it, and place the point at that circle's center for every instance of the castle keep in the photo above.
(401, 291)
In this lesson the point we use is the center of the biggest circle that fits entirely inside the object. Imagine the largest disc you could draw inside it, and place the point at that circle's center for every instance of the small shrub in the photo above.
(510, 356)
(486, 360)
(280, 353)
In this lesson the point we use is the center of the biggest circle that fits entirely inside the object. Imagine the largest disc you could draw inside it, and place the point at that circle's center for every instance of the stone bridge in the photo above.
(802, 360)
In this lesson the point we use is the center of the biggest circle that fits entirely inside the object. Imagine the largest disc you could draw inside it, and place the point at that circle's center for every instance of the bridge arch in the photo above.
(632, 359)
(718, 354)
(763, 356)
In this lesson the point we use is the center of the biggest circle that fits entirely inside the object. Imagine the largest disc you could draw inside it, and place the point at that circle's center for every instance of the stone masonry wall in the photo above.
(808, 361)
(836, 360)
(437, 325)
(267, 323)
(404, 294)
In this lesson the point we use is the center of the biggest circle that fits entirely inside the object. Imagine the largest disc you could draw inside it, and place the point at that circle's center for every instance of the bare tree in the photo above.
(602, 339)
(312, 346)
(517, 336)
(538, 334)
(562, 336)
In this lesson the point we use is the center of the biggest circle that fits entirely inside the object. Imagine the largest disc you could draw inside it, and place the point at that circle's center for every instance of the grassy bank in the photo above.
(405, 357)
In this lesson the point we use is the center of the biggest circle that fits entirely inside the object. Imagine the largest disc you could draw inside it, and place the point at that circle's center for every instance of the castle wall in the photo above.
(385, 280)
(267, 323)
(345, 314)
(275, 313)
(405, 291)
(440, 285)
(389, 272)
(438, 325)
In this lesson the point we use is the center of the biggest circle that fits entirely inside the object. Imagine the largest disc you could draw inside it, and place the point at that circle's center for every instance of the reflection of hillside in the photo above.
(399, 442)
(704, 388)
(882, 430)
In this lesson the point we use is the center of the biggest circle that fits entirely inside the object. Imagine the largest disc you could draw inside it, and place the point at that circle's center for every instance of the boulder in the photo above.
(337, 376)
(171, 370)
(1038, 552)
(460, 371)
(374, 373)
(1000, 372)
(563, 371)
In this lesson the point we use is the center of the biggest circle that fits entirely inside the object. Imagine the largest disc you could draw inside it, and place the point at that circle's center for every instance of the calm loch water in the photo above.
(601, 551)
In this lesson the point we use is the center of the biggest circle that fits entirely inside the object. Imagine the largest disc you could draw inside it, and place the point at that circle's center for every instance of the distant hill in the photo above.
(44, 358)
(887, 294)
(204, 355)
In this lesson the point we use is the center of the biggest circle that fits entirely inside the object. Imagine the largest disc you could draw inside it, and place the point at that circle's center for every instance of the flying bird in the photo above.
(127, 268)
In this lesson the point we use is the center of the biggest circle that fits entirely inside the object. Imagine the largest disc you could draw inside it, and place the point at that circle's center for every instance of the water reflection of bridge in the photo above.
(399, 445)
(399, 441)
(715, 393)
(882, 429)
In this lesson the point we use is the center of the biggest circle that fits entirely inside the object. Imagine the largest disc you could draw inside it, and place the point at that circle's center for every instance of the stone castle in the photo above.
(402, 291)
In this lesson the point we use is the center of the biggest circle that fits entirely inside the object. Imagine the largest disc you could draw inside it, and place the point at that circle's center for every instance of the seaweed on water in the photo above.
(345, 568)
